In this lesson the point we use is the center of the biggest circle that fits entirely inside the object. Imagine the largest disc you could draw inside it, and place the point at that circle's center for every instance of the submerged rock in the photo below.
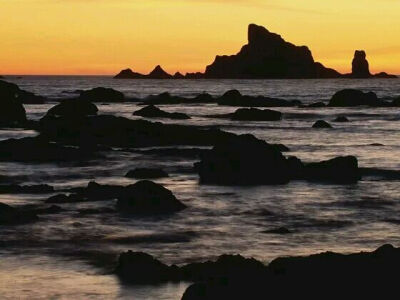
(321, 124)
(146, 173)
(147, 197)
(341, 119)
(13, 216)
(73, 108)
(101, 94)
(152, 111)
(351, 97)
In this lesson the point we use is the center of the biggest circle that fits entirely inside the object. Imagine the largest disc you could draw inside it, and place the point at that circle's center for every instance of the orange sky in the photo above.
(104, 36)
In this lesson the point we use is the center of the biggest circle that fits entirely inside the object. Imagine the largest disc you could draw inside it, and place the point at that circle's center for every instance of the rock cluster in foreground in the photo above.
(360, 275)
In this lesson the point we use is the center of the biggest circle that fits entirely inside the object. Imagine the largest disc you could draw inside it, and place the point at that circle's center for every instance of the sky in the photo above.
(105, 36)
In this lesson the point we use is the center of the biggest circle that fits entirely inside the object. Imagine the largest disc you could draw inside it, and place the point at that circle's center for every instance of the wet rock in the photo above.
(235, 98)
(142, 268)
(112, 131)
(341, 119)
(73, 108)
(244, 160)
(146, 173)
(13, 216)
(321, 124)
(167, 99)
(351, 97)
(97, 192)
(26, 189)
(12, 112)
(159, 73)
(36, 149)
(62, 198)
(152, 111)
(53, 209)
(254, 114)
(129, 74)
(147, 197)
(343, 169)
(101, 94)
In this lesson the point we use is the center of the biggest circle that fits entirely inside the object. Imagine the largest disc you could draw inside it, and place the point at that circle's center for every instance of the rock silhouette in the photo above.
(12, 112)
(146, 173)
(267, 55)
(73, 108)
(147, 197)
(152, 111)
(13, 216)
(101, 94)
(235, 98)
(159, 73)
(351, 97)
(321, 124)
(360, 65)
(252, 114)
(129, 74)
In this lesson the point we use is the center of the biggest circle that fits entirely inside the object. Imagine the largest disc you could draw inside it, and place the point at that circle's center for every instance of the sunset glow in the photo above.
(104, 36)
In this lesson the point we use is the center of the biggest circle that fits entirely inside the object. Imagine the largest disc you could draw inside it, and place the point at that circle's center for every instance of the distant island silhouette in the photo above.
(266, 56)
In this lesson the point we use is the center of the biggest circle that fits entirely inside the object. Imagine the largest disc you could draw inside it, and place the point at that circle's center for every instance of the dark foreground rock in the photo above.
(13, 216)
(351, 97)
(101, 94)
(235, 277)
(146, 173)
(12, 112)
(152, 111)
(147, 197)
(321, 124)
(359, 275)
(73, 108)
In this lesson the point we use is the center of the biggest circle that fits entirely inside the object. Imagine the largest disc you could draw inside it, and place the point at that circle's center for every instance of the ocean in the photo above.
(48, 259)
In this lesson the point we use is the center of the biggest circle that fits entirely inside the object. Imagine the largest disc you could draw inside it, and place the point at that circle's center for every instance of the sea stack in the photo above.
(360, 66)
(159, 73)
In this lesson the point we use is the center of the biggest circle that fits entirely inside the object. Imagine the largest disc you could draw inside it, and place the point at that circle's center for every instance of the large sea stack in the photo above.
(268, 55)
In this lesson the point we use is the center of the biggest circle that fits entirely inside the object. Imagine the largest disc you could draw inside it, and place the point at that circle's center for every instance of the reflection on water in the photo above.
(53, 258)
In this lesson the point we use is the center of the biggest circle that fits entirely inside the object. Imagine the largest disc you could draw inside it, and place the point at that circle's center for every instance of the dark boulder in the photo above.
(147, 197)
(341, 119)
(142, 268)
(159, 73)
(62, 198)
(351, 97)
(235, 98)
(243, 160)
(321, 124)
(13, 216)
(12, 112)
(253, 114)
(129, 74)
(73, 108)
(342, 169)
(152, 111)
(146, 173)
(279, 230)
(101, 94)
